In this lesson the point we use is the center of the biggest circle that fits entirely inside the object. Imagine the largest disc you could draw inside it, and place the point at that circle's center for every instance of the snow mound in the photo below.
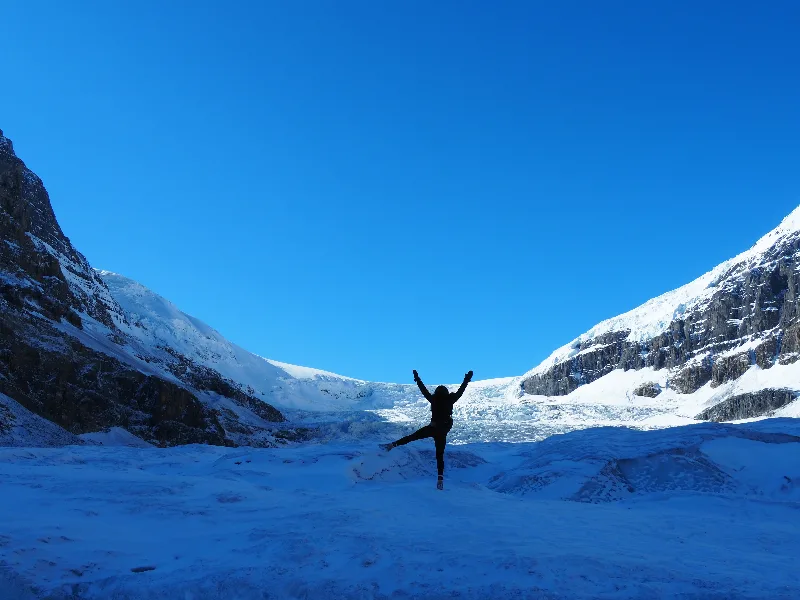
(21, 427)
(692, 512)
(115, 436)
(615, 464)
(307, 372)
(406, 462)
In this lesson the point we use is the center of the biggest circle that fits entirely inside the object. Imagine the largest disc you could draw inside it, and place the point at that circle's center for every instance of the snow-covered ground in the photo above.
(597, 494)
(706, 511)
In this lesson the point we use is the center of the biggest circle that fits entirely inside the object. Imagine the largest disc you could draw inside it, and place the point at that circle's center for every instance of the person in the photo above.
(442, 401)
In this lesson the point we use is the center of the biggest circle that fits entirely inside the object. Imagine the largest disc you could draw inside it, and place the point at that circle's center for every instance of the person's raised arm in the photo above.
(464, 384)
(422, 387)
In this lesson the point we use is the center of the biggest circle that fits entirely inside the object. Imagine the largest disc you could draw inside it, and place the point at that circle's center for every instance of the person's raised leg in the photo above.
(419, 434)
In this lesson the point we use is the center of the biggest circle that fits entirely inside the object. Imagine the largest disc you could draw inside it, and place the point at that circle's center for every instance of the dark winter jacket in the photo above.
(442, 403)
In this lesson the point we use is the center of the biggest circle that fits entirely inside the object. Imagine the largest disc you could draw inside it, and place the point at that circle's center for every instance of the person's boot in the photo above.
(387, 447)
(440, 483)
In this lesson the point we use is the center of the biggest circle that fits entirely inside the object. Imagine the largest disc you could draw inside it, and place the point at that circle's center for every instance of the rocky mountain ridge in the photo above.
(711, 331)
(66, 351)
(92, 350)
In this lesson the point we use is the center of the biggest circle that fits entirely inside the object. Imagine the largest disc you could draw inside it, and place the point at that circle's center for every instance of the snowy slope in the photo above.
(654, 316)
(156, 323)
(20, 427)
(488, 411)
(492, 410)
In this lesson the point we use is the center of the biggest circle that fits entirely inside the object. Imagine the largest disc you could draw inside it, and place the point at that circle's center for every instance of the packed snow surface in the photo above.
(114, 436)
(707, 511)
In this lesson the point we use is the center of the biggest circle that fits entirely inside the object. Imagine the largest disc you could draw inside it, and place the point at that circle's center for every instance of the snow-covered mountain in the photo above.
(92, 350)
(156, 326)
(725, 345)
(733, 330)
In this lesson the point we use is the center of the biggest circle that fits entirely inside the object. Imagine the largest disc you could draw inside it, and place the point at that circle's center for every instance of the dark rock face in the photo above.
(728, 368)
(747, 406)
(755, 300)
(692, 377)
(648, 390)
(36, 258)
(6, 419)
(46, 286)
(83, 390)
(205, 379)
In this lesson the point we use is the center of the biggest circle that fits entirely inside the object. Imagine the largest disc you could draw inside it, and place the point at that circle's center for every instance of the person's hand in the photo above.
(468, 376)
(416, 375)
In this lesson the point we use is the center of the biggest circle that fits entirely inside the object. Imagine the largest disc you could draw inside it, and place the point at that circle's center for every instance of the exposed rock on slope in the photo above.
(648, 390)
(711, 331)
(40, 270)
(192, 349)
(749, 405)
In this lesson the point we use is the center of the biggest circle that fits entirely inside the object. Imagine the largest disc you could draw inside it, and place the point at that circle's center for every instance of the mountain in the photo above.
(158, 328)
(93, 351)
(730, 338)
(90, 350)
(751, 369)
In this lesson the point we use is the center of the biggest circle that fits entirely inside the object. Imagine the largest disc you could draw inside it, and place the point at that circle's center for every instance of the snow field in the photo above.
(708, 511)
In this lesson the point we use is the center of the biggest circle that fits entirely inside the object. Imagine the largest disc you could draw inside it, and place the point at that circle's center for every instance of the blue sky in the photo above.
(372, 187)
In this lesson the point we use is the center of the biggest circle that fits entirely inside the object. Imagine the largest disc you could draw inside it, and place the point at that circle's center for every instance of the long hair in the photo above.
(441, 392)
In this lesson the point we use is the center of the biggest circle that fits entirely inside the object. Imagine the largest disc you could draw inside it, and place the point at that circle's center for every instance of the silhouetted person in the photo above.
(441, 421)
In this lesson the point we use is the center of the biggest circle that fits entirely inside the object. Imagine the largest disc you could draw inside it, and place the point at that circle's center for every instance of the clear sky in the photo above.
(371, 187)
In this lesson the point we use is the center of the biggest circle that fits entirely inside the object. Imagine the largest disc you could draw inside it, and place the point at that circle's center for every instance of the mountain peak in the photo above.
(742, 303)
(5, 144)
(789, 225)
(792, 220)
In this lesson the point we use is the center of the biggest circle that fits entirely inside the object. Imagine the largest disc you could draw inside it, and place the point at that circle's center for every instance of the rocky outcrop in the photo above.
(752, 301)
(83, 390)
(728, 368)
(39, 268)
(49, 294)
(749, 405)
(205, 379)
(692, 376)
(648, 390)
(6, 420)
